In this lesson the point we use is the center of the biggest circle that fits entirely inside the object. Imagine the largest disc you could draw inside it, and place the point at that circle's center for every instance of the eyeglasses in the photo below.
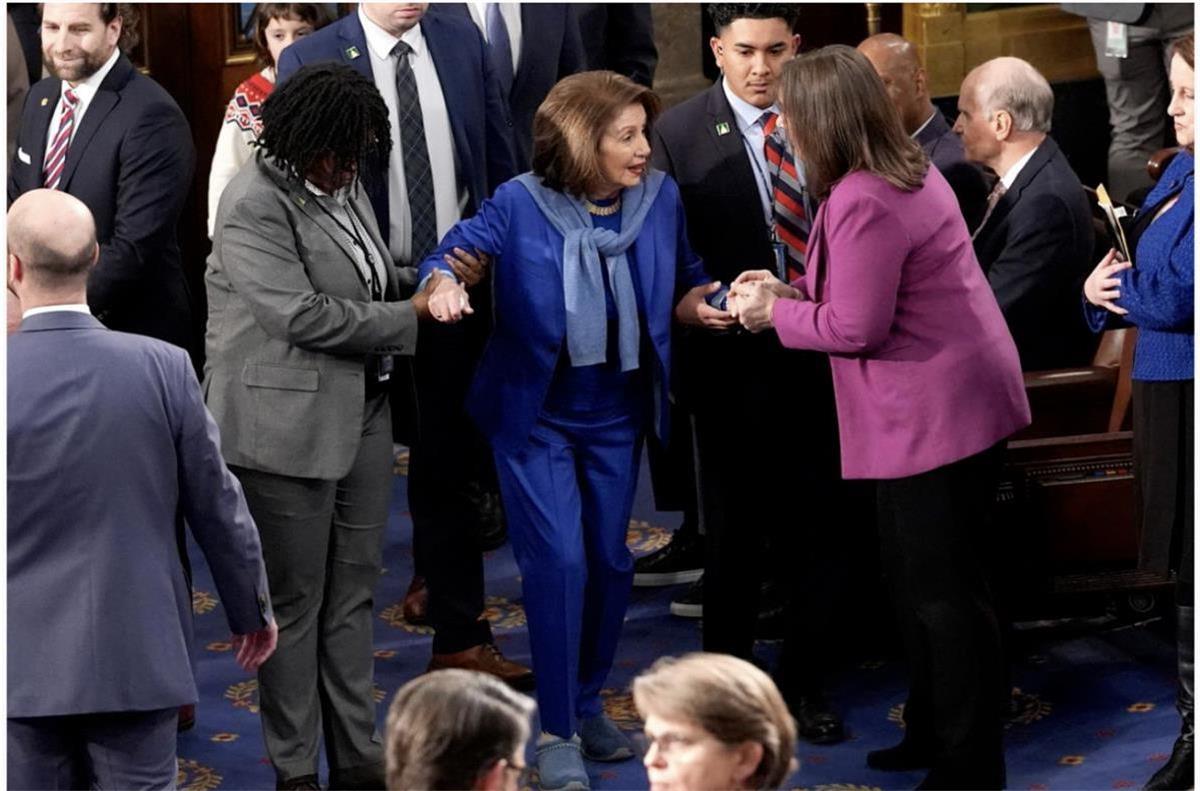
(670, 742)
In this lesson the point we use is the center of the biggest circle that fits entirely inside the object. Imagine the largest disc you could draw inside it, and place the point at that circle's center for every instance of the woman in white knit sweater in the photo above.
(276, 25)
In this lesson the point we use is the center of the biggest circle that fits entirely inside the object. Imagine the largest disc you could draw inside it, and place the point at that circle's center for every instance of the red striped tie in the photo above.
(791, 220)
(56, 156)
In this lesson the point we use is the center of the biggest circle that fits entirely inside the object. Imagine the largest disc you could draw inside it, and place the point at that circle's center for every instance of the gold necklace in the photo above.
(603, 211)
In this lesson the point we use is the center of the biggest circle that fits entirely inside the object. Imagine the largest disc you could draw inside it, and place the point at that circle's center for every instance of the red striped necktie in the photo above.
(56, 155)
(791, 219)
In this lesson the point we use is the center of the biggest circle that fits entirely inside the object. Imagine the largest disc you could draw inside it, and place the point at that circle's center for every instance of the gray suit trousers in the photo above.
(323, 545)
(108, 750)
(1138, 93)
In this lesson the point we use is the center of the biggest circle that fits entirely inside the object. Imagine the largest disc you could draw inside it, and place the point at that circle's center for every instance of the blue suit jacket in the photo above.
(130, 162)
(550, 50)
(479, 120)
(108, 444)
(1036, 250)
(1159, 292)
(515, 372)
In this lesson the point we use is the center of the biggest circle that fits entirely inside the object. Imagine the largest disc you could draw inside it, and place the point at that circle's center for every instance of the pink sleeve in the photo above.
(866, 246)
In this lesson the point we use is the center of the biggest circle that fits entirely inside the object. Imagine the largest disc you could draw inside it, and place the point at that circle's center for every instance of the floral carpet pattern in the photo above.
(1090, 712)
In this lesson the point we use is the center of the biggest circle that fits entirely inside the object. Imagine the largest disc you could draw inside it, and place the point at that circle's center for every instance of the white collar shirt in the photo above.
(921, 128)
(1011, 174)
(72, 307)
(450, 198)
(85, 90)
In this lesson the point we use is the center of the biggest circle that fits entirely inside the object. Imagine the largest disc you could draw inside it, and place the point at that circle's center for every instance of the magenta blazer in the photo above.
(925, 371)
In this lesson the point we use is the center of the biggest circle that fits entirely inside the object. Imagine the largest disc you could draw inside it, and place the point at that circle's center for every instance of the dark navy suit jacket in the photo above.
(130, 162)
(1036, 249)
(550, 50)
(945, 151)
(109, 444)
(514, 375)
(479, 120)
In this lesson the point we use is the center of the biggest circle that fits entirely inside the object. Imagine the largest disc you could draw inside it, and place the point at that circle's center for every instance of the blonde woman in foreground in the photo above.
(713, 721)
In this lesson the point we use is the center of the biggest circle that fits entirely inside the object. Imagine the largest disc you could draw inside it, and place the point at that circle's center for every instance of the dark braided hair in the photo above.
(327, 108)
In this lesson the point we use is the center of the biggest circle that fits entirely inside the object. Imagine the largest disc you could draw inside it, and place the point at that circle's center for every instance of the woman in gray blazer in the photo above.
(304, 316)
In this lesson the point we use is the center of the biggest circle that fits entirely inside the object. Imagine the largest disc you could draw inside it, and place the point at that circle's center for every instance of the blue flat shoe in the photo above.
(560, 766)
(602, 740)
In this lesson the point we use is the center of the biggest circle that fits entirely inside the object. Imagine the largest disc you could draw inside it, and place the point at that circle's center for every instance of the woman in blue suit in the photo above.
(591, 258)
(1155, 293)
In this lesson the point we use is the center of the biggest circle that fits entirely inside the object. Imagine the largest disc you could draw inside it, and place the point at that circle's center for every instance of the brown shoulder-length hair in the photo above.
(570, 122)
(312, 13)
(840, 120)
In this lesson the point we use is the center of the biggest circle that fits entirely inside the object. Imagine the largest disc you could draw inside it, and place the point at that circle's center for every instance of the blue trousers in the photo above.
(567, 497)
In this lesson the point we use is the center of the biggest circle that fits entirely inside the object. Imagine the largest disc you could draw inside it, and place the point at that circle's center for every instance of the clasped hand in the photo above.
(448, 301)
(752, 298)
(1103, 286)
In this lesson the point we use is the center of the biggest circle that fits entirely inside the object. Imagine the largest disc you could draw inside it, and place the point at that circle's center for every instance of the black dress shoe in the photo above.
(815, 722)
(302, 783)
(691, 603)
(680, 561)
(904, 757)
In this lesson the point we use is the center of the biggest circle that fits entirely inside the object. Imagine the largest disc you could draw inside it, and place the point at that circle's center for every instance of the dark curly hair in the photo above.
(130, 19)
(327, 108)
(723, 14)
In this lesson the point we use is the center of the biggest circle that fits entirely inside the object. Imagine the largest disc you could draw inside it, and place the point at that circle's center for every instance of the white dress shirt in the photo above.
(1011, 174)
(511, 13)
(85, 91)
(71, 307)
(449, 197)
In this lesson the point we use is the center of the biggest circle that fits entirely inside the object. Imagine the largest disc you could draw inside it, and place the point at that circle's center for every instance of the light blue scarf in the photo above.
(583, 289)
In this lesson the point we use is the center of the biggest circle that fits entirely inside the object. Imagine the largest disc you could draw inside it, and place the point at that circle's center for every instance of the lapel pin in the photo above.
(352, 52)
(299, 199)
(45, 101)
(722, 128)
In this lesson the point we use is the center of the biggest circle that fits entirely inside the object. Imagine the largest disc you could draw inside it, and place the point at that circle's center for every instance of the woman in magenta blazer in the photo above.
(928, 386)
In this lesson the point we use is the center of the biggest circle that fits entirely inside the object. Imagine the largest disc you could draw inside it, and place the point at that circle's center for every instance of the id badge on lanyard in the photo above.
(780, 251)
(1116, 40)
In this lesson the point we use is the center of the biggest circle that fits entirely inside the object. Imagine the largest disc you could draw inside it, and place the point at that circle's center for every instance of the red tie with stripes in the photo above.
(56, 155)
(791, 220)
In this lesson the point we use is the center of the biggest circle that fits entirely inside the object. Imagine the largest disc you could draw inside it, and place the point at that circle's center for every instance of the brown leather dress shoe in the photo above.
(486, 658)
(416, 602)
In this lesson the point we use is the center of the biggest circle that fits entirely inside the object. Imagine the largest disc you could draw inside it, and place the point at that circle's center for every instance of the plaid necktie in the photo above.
(993, 198)
(791, 220)
(418, 177)
(56, 155)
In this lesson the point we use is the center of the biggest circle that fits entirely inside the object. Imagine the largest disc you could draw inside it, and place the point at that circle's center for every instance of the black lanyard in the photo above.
(355, 238)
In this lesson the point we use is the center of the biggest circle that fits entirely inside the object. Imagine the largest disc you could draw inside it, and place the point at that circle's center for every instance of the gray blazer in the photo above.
(290, 327)
(1128, 13)
(108, 444)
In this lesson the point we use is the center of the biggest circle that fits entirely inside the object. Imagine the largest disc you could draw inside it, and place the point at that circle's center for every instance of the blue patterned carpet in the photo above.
(1096, 704)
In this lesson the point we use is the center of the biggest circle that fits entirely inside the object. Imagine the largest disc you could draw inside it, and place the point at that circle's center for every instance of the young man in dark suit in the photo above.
(451, 146)
(1035, 241)
(540, 46)
(99, 130)
(714, 145)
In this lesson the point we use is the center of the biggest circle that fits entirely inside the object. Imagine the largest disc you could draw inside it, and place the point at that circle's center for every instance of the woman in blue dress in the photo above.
(591, 260)
(1155, 293)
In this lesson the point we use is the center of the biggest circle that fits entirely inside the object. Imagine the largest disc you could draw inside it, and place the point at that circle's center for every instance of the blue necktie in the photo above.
(499, 47)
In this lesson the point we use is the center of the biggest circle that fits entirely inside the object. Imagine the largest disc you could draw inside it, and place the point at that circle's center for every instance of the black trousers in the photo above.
(448, 458)
(1163, 444)
(935, 537)
(771, 501)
